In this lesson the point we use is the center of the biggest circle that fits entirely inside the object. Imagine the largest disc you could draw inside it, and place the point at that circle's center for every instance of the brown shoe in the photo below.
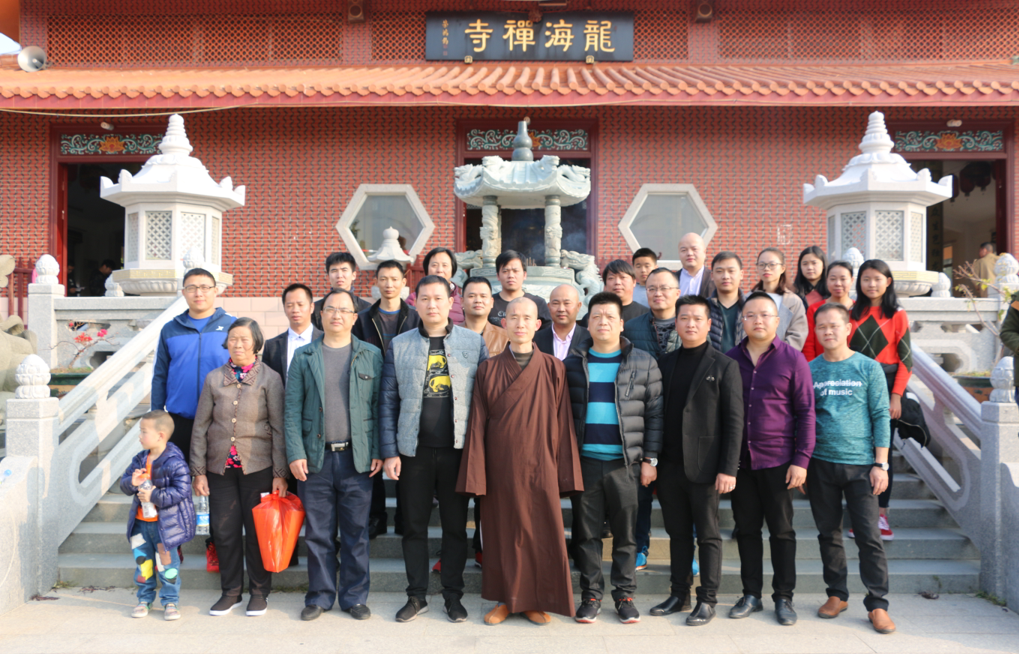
(882, 623)
(497, 615)
(832, 608)
(538, 617)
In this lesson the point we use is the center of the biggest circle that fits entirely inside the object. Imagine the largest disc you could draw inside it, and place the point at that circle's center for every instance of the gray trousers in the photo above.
(610, 493)
(827, 483)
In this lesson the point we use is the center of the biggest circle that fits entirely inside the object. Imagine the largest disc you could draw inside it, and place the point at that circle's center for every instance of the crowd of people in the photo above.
(674, 383)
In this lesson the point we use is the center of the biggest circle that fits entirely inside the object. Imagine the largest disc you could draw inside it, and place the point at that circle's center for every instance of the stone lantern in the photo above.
(879, 206)
(173, 210)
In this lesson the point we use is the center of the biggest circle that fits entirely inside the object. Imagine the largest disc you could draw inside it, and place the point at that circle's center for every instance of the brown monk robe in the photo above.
(520, 457)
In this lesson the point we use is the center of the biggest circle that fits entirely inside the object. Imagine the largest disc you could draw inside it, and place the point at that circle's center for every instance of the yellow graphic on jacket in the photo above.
(437, 381)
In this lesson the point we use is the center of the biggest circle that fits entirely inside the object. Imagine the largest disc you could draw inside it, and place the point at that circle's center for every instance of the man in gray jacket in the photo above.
(427, 382)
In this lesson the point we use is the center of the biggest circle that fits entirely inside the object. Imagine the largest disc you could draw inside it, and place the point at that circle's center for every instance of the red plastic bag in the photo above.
(278, 523)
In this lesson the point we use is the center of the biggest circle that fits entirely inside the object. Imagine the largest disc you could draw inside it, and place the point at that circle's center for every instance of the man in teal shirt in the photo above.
(851, 460)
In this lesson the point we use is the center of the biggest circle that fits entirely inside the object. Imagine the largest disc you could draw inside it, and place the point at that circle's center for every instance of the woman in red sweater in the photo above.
(881, 332)
(839, 283)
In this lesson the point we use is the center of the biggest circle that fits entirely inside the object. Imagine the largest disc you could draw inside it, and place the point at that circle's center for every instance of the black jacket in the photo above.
(316, 314)
(543, 339)
(711, 432)
(718, 322)
(369, 326)
(638, 398)
(274, 354)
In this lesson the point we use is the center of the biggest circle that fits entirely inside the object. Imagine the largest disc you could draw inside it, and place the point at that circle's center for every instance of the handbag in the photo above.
(911, 424)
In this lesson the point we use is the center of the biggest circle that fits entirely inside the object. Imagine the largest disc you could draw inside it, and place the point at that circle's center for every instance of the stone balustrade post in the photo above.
(998, 445)
(491, 231)
(32, 422)
(42, 296)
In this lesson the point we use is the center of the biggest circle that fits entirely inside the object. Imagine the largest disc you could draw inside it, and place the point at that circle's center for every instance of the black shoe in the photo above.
(672, 605)
(412, 609)
(606, 532)
(784, 612)
(588, 611)
(257, 606)
(745, 606)
(377, 527)
(359, 612)
(311, 612)
(628, 613)
(455, 611)
(701, 615)
(225, 605)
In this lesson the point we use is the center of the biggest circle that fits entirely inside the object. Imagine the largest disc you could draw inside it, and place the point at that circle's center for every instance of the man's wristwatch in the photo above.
(651, 461)
(883, 466)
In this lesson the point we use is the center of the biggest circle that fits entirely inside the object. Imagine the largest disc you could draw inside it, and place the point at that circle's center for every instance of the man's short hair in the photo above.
(644, 253)
(390, 264)
(477, 280)
(340, 291)
(297, 286)
(619, 267)
(725, 256)
(434, 279)
(833, 306)
(657, 271)
(760, 295)
(197, 272)
(694, 300)
(605, 297)
(340, 257)
(256, 333)
(990, 246)
(441, 250)
(506, 257)
(109, 263)
(162, 420)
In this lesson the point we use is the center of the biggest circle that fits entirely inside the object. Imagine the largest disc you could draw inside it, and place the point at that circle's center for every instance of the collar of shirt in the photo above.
(569, 337)
(424, 330)
(303, 336)
(691, 283)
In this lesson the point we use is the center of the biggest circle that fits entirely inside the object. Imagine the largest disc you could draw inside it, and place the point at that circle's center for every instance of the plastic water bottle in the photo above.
(202, 514)
(148, 508)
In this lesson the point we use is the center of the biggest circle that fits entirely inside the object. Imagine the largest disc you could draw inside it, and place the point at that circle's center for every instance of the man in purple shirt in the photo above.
(778, 439)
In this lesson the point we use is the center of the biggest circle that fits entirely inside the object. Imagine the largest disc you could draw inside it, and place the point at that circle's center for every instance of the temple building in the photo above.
(346, 118)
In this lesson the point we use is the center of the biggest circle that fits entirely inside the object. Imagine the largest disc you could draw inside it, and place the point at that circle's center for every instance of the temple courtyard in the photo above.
(85, 620)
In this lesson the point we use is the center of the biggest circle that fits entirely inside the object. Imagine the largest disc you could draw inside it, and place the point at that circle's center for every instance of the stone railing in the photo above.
(976, 478)
(43, 498)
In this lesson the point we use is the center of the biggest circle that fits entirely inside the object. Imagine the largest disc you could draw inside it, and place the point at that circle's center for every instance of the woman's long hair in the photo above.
(889, 301)
(802, 285)
(782, 284)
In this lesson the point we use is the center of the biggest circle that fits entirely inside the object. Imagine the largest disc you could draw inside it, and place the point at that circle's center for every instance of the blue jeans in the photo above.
(146, 558)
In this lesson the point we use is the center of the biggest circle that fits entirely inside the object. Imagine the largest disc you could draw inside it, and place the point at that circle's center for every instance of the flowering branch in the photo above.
(83, 341)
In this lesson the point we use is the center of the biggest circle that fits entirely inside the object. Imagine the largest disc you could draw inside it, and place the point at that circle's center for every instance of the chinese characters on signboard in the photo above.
(505, 36)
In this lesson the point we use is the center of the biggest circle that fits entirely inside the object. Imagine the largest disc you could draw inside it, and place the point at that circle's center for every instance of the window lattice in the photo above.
(159, 235)
(916, 237)
(398, 35)
(854, 231)
(192, 234)
(215, 240)
(888, 235)
(132, 238)
(660, 34)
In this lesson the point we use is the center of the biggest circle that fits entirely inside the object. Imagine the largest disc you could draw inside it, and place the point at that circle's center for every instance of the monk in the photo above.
(519, 459)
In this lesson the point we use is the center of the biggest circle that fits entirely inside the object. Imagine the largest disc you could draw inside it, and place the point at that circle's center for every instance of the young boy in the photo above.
(644, 261)
(155, 539)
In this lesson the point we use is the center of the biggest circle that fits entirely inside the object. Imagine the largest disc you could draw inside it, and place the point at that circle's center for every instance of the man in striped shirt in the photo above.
(615, 393)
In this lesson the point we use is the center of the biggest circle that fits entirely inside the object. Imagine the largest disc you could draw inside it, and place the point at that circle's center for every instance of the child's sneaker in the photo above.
(886, 529)
(641, 560)
(170, 612)
(211, 558)
(141, 610)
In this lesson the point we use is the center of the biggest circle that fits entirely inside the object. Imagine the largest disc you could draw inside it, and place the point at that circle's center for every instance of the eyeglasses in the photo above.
(651, 290)
(329, 311)
(752, 317)
(192, 289)
(769, 266)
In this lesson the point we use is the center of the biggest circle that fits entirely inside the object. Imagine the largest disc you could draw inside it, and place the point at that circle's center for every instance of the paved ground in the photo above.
(81, 622)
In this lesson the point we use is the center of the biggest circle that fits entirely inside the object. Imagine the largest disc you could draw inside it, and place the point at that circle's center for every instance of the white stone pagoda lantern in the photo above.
(173, 210)
(879, 206)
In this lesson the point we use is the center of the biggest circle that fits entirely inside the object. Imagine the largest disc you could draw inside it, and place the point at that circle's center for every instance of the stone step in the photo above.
(904, 513)
(936, 543)
(388, 575)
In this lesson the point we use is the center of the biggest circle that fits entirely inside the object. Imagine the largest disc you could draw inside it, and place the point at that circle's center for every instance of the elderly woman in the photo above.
(238, 452)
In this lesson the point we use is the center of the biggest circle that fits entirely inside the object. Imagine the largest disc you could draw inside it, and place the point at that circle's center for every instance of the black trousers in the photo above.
(433, 473)
(610, 490)
(181, 437)
(232, 496)
(886, 496)
(761, 495)
(685, 505)
(827, 484)
(378, 506)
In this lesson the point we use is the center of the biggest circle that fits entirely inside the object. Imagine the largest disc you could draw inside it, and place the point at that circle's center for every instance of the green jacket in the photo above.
(306, 396)
(1010, 334)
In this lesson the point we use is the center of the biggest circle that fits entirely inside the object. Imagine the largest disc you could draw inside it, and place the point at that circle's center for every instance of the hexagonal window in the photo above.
(660, 215)
(376, 207)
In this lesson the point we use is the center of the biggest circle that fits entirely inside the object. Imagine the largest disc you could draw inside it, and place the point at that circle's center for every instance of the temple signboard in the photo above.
(498, 36)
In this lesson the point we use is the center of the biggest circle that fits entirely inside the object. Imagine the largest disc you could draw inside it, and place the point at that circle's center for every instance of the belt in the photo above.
(338, 447)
